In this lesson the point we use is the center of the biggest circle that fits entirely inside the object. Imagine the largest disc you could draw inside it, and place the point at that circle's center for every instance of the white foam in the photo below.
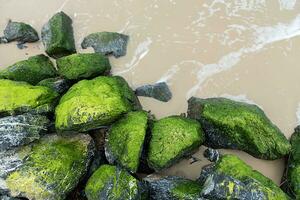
(287, 4)
(298, 114)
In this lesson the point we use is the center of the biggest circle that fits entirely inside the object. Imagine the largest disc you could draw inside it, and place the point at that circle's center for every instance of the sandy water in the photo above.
(242, 49)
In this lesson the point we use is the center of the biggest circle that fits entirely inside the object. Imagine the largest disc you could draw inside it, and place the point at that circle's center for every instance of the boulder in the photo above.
(159, 91)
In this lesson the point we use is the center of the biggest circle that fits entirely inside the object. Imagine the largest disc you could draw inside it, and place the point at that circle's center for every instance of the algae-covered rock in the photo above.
(52, 168)
(173, 188)
(125, 140)
(113, 183)
(159, 91)
(238, 125)
(57, 36)
(20, 97)
(21, 129)
(32, 70)
(82, 66)
(21, 32)
(172, 138)
(107, 43)
(90, 104)
(60, 85)
(232, 178)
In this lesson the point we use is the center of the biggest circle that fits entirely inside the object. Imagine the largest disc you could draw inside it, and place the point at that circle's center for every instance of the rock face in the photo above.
(90, 104)
(232, 178)
(57, 84)
(107, 43)
(237, 125)
(21, 32)
(110, 182)
(21, 129)
(125, 140)
(172, 138)
(20, 97)
(32, 70)
(173, 188)
(50, 168)
(57, 36)
(159, 91)
(82, 66)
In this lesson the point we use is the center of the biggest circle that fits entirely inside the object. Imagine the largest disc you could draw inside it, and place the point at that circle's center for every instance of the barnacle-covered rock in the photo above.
(57, 36)
(32, 70)
(107, 43)
(238, 125)
(159, 91)
(125, 140)
(82, 66)
(111, 182)
(21, 129)
(90, 104)
(50, 168)
(172, 138)
(20, 97)
(58, 84)
(173, 188)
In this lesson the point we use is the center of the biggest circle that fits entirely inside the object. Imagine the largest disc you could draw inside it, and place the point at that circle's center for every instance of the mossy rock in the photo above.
(90, 104)
(173, 138)
(173, 188)
(237, 125)
(125, 140)
(32, 70)
(52, 168)
(21, 97)
(113, 183)
(83, 66)
(57, 36)
(21, 32)
(58, 84)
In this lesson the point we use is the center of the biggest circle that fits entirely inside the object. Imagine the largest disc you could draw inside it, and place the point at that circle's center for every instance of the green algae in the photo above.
(172, 138)
(126, 138)
(32, 70)
(21, 32)
(186, 190)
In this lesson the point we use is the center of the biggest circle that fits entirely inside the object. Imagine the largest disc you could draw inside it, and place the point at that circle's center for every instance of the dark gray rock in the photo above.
(107, 43)
(60, 85)
(212, 155)
(159, 91)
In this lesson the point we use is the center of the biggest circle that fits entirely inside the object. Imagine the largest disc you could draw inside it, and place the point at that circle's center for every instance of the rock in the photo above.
(124, 142)
(107, 43)
(83, 66)
(237, 125)
(173, 188)
(232, 178)
(21, 32)
(32, 70)
(91, 104)
(20, 97)
(159, 91)
(51, 168)
(57, 84)
(21, 129)
(173, 138)
(111, 182)
(57, 36)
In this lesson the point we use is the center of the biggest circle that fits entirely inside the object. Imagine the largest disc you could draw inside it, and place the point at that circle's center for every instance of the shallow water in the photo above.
(242, 49)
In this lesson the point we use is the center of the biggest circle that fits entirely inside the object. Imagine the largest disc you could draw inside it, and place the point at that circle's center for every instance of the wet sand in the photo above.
(246, 50)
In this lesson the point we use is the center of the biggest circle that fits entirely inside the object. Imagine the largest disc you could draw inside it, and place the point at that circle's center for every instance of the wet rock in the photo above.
(159, 91)
(232, 178)
(173, 138)
(32, 70)
(173, 188)
(21, 129)
(91, 104)
(82, 66)
(51, 168)
(107, 43)
(21, 32)
(111, 182)
(125, 140)
(237, 125)
(57, 36)
(58, 84)
(20, 97)
(212, 155)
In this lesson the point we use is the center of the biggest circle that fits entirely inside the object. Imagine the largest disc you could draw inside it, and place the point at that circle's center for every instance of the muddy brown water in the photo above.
(242, 49)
